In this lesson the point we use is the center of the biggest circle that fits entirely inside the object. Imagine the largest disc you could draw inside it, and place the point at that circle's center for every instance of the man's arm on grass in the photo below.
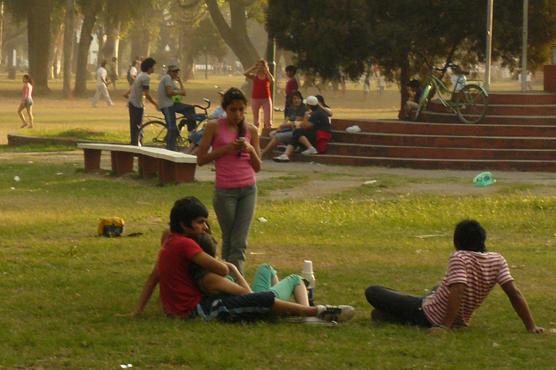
(521, 307)
(148, 289)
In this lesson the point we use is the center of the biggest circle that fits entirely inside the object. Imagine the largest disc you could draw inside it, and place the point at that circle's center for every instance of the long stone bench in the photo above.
(169, 166)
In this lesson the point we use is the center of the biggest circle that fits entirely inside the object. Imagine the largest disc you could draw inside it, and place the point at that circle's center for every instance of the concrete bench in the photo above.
(170, 166)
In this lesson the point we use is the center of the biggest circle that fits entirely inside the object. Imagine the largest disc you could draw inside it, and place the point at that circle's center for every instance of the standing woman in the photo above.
(26, 102)
(260, 97)
(236, 154)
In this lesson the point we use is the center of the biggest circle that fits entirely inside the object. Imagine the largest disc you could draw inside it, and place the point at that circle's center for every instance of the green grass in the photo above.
(63, 289)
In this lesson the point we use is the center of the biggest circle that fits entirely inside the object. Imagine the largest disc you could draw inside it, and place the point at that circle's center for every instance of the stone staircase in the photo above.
(518, 133)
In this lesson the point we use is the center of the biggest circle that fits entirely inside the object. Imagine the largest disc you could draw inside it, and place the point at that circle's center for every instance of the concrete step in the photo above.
(459, 129)
(521, 98)
(425, 163)
(362, 150)
(446, 141)
(428, 116)
(506, 109)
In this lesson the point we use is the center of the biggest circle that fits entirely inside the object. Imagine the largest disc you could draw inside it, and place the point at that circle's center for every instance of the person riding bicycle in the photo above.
(168, 91)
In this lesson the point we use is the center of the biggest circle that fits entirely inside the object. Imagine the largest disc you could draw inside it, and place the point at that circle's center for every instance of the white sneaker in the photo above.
(281, 158)
(310, 151)
(336, 313)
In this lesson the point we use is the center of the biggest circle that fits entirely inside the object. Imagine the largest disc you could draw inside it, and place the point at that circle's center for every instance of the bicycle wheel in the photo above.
(154, 133)
(471, 104)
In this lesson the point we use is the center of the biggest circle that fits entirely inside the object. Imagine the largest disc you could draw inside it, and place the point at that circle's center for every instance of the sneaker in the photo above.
(310, 151)
(281, 158)
(337, 313)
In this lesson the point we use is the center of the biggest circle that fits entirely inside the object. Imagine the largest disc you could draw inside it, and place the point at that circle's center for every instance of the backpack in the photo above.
(110, 227)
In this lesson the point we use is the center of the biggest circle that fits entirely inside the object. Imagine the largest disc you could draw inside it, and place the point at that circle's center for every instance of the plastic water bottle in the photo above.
(309, 279)
(484, 179)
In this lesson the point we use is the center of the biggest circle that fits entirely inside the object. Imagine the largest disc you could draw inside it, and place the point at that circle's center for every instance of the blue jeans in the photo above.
(234, 209)
(170, 117)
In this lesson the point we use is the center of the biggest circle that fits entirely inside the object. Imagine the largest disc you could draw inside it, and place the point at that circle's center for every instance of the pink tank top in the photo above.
(232, 171)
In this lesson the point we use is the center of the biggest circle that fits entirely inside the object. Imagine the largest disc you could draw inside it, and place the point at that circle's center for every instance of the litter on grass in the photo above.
(369, 182)
(262, 220)
(17, 178)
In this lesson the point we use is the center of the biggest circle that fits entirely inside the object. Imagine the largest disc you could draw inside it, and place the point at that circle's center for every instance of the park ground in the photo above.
(66, 293)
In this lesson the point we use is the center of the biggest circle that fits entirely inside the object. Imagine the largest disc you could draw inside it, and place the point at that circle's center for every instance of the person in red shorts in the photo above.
(471, 275)
(179, 294)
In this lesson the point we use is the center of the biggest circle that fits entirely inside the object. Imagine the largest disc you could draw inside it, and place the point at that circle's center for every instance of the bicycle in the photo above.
(468, 101)
(155, 130)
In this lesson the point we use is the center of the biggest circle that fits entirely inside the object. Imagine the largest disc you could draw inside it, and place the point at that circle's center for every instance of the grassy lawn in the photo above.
(65, 293)
(64, 290)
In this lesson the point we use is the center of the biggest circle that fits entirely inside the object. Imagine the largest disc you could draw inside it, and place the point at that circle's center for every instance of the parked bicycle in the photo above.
(155, 130)
(468, 101)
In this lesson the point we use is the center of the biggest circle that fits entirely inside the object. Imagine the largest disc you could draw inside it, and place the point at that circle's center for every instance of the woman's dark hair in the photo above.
(231, 95)
(320, 98)
(291, 68)
(469, 235)
(414, 84)
(29, 79)
(147, 64)
(185, 210)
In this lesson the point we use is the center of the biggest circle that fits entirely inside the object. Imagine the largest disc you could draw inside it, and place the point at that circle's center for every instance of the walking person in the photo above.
(138, 89)
(102, 86)
(261, 97)
(26, 102)
(236, 154)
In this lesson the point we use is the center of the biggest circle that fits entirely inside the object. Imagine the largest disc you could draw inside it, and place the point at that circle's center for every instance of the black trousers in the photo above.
(135, 120)
(396, 306)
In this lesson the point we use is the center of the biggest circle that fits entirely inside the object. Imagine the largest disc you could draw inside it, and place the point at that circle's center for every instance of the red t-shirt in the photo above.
(261, 88)
(178, 293)
(291, 86)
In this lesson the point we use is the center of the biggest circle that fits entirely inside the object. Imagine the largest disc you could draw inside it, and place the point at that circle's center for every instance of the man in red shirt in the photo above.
(472, 273)
(180, 296)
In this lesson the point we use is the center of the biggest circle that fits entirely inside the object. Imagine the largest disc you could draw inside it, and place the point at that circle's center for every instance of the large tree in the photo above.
(37, 14)
(90, 10)
(69, 25)
(346, 36)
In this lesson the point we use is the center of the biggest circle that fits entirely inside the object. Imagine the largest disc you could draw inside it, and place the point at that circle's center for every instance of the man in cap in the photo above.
(169, 95)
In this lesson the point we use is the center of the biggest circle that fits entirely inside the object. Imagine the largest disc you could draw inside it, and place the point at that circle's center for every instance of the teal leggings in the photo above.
(282, 290)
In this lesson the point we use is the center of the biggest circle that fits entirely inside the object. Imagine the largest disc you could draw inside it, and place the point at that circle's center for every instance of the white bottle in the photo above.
(309, 277)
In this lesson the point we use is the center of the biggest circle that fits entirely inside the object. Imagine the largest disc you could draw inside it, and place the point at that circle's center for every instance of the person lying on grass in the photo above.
(471, 275)
(179, 294)
(266, 278)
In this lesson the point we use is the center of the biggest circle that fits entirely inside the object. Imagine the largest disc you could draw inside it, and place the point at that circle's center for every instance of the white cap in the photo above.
(311, 100)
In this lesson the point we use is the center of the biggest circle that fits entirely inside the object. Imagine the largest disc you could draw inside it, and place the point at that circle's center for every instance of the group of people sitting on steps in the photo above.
(193, 282)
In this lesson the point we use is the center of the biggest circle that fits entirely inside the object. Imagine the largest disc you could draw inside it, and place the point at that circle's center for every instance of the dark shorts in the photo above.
(237, 308)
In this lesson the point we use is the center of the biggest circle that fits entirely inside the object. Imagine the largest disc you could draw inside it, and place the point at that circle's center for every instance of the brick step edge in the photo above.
(419, 163)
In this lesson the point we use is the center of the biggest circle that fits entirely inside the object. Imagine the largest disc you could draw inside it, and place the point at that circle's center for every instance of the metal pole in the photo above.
(271, 56)
(488, 61)
(1, 30)
(524, 45)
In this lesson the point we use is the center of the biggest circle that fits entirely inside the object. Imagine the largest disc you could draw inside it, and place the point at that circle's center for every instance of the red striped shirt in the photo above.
(479, 272)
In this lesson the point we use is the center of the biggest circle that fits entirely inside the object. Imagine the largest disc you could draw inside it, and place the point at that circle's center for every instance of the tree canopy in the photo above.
(338, 37)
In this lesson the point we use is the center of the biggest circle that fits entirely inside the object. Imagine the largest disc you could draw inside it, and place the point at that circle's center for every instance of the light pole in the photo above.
(488, 54)
(524, 45)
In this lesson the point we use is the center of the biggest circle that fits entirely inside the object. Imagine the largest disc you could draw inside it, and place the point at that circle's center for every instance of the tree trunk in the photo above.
(38, 28)
(235, 35)
(112, 44)
(140, 40)
(404, 79)
(54, 71)
(83, 50)
(68, 45)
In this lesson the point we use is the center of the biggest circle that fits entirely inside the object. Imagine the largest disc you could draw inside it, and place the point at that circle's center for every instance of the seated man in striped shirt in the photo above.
(471, 275)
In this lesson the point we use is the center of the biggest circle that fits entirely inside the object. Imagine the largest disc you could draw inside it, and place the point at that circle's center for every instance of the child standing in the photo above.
(26, 102)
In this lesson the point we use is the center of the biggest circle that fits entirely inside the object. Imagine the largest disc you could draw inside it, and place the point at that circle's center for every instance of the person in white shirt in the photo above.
(102, 86)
